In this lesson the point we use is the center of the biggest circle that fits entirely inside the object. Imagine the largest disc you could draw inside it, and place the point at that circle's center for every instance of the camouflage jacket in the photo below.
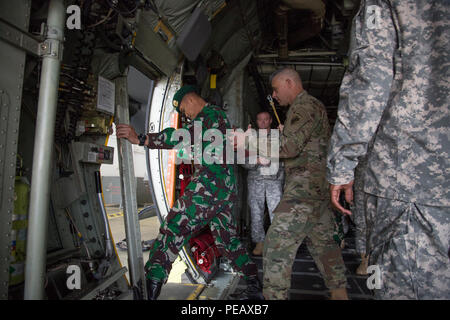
(303, 146)
(218, 178)
(396, 91)
(256, 172)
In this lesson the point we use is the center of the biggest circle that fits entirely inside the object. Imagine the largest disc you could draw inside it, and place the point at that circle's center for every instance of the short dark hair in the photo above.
(292, 73)
(263, 111)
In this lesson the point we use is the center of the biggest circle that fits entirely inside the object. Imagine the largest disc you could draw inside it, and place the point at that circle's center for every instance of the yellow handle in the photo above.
(269, 97)
(212, 82)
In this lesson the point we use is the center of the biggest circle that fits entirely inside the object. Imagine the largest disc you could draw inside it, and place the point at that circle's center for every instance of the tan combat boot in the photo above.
(362, 269)
(339, 294)
(258, 249)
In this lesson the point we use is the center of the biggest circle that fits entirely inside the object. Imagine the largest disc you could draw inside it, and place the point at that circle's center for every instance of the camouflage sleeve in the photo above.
(365, 88)
(296, 133)
(161, 140)
(170, 138)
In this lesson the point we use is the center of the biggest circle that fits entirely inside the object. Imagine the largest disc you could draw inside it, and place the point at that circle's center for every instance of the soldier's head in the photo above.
(263, 120)
(286, 85)
(187, 101)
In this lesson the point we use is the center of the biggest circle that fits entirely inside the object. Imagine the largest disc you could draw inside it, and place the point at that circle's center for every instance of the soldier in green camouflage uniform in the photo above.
(395, 95)
(304, 211)
(207, 200)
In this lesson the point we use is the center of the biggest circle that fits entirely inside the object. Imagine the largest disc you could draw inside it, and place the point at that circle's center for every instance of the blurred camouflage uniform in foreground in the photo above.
(358, 216)
(304, 210)
(396, 92)
(207, 200)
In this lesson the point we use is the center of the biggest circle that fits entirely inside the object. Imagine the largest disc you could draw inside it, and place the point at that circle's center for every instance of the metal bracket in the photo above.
(23, 40)
(51, 48)
(18, 38)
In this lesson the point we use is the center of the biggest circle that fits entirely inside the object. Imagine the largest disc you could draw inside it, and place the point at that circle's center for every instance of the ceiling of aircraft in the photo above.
(219, 36)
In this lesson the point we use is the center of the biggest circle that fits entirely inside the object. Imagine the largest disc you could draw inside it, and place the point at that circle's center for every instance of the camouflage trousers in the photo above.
(409, 243)
(295, 220)
(259, 192)
(191, 213)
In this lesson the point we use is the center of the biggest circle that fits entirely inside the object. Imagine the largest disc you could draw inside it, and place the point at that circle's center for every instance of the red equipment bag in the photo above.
(204, 250)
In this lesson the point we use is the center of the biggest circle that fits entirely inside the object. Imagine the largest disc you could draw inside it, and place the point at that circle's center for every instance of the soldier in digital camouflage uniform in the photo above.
(263, 188)
(304, 211)
(207, 200)
(396, 92)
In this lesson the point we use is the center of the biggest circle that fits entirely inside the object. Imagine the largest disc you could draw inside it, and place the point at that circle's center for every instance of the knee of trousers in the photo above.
(277, 268)
(333, 269)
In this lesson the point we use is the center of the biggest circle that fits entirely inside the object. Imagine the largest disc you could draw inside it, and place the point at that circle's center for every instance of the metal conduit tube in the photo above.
(299, 54)
(128, 185)
(43, 149)
(270, 68)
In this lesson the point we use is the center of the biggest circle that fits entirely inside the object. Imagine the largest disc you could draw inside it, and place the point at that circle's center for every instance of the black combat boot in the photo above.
(252, 292)
(153, 289)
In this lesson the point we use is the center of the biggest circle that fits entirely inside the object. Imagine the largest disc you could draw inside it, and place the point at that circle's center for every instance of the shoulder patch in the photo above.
(295, 119)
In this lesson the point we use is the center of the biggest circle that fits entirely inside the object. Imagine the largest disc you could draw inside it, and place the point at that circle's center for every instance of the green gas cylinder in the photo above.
(19, 231)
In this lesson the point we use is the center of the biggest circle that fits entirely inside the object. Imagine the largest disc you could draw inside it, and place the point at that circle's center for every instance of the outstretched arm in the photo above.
(160, 140)
(365, 89)
(364, 94)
